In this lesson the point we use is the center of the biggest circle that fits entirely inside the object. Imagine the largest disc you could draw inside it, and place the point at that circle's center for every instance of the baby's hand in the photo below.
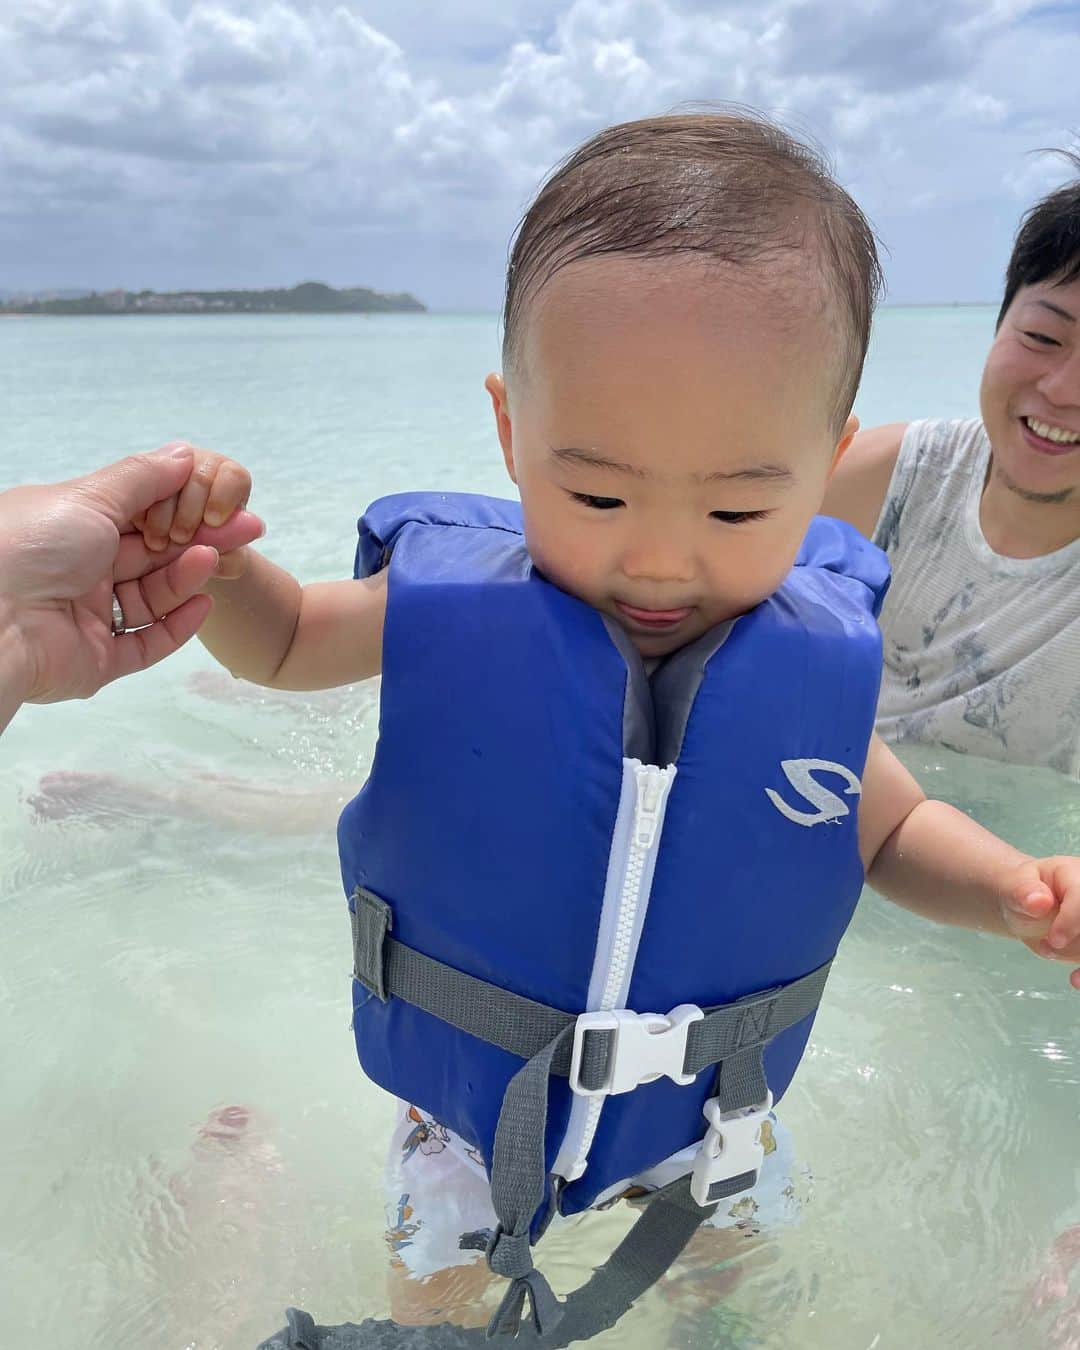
(1041, 906)
(217, 488)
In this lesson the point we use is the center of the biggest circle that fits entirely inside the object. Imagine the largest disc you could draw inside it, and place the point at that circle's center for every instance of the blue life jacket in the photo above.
(523, 824)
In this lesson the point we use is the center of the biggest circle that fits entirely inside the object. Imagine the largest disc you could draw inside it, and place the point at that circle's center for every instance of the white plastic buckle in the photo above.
(646, 1046)
(732, 1145)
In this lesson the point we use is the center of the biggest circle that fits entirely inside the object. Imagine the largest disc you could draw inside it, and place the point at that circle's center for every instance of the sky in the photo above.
(395, 143)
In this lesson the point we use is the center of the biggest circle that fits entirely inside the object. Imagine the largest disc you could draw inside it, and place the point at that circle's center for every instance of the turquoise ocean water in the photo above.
(175, 940)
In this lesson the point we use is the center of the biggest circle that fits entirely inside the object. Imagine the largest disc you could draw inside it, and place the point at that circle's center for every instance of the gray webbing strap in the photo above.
(670, 1220)
(517, 1190)
(387, 967)
(524, 1027)
(730, 1031)
(732, 1035)
(518, 1176)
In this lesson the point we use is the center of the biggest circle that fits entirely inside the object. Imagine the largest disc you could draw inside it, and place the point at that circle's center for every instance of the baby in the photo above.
(688, 307)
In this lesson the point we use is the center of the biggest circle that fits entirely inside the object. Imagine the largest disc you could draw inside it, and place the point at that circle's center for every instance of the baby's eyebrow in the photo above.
(779, 473)
(753, 473)
(592, 460)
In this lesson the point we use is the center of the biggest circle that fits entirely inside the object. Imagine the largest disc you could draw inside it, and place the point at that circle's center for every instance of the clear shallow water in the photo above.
(178, 944)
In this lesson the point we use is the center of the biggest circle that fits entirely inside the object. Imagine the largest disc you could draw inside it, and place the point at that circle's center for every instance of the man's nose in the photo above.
(1060, 385)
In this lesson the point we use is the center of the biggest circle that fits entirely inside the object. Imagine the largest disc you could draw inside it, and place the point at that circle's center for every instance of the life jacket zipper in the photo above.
(652, 785)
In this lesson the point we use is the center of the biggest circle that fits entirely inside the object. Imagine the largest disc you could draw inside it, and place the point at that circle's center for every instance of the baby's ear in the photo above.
(496, 387)
(847, 435)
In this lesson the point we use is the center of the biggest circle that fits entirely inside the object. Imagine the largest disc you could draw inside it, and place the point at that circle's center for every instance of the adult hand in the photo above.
(64, 549)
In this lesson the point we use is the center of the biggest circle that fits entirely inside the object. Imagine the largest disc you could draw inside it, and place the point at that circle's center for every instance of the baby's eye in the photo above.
(1042, 339)
(738, 517)
(597, 503)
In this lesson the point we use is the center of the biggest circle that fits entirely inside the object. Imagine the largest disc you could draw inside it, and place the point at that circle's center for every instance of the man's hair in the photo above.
(1047, 244)
(730, 186)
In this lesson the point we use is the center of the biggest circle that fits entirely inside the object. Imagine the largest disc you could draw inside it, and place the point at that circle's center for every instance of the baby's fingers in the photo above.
(231, 489)
(191, 504)
(158, 522)
(1027, 903)
(216, 488)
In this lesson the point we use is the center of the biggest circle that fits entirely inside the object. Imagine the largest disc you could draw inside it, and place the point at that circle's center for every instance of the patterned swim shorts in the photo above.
(438, 1208)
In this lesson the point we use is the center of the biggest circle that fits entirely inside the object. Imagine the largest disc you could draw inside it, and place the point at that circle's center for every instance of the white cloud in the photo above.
(406, 137)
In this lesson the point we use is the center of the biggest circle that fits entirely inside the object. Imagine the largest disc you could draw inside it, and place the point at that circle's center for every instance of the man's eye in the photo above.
(738, 517)
(1042, 339)
(597, 503)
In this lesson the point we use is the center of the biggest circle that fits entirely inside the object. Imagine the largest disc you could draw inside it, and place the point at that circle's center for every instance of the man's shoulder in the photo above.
(944, 443)
(861, 479)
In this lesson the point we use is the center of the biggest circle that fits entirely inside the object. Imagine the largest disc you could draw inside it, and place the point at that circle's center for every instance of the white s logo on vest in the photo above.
(800, 774)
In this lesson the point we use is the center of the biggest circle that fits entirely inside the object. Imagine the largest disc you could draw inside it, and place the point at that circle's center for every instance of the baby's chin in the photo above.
(655, 646)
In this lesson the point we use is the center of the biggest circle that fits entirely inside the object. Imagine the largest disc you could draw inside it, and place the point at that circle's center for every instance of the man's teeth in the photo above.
(1049, 433)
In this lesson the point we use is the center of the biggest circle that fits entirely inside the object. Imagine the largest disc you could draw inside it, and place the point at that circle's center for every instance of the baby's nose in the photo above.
(663, 562)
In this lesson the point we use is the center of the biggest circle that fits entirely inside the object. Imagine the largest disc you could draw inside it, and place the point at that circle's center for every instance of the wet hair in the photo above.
(1047, 244)
(731, 186)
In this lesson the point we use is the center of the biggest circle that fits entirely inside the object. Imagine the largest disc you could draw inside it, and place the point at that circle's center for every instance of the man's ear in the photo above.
(851, 428)
(496, 387)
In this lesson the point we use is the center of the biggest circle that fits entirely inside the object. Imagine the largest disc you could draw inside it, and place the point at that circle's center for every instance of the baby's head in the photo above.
(687, 311)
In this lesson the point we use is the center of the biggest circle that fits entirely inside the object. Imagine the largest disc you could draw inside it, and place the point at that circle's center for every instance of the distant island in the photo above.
(311, 297)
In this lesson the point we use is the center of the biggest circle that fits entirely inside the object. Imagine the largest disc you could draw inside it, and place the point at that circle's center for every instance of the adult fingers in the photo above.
(1066, 926)
(134, 559)
(132, 485)
(159, 592)
(242, 527)
(131, 652)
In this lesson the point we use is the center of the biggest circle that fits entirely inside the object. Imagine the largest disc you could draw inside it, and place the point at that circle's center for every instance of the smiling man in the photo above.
(981, 522)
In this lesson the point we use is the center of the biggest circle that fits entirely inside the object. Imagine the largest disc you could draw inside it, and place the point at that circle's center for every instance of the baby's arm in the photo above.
(264, 626)
(931, 858)
(267, 628)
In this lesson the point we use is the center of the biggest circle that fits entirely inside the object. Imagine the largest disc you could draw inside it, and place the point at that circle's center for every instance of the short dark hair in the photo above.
(1047, 244)
(732, 186)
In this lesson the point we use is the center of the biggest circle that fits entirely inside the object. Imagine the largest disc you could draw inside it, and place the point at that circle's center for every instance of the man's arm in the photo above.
(857, 490)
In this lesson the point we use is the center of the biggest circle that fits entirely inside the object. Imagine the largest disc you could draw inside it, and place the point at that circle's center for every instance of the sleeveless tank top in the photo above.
(982, 652)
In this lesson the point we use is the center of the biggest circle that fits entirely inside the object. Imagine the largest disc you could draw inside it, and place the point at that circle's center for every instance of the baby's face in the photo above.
(670, 430)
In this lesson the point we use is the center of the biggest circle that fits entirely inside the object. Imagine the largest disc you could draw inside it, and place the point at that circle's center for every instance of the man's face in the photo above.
(1031, 393)
(670, 431)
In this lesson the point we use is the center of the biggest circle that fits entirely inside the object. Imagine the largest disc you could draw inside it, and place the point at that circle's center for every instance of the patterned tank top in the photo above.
(982, 652)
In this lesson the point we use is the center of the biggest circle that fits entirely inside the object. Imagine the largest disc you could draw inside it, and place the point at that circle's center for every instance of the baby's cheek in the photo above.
(753, 575)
